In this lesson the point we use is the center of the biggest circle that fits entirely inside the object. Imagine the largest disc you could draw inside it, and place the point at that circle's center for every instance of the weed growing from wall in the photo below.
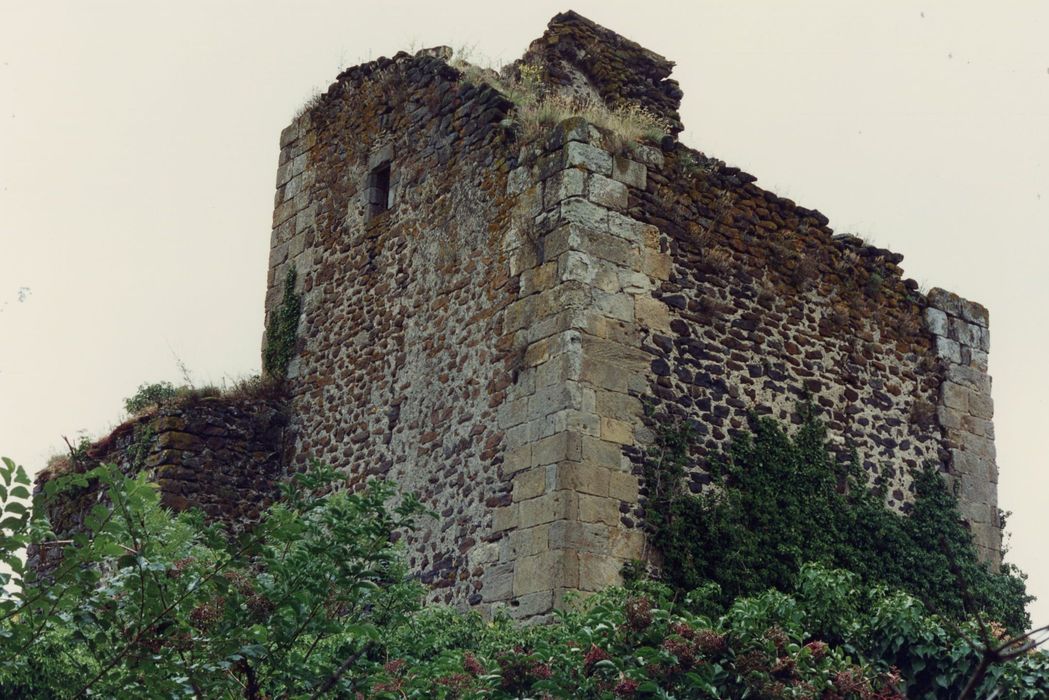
(282, 330)
(150, 395)
(538, 108)
(779, 501)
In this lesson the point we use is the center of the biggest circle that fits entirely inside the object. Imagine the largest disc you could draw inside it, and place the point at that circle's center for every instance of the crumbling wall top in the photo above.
(584, 57)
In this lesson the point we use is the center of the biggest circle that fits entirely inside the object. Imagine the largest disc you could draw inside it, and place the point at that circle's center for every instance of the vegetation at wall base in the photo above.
(779, 501)
(316, 602)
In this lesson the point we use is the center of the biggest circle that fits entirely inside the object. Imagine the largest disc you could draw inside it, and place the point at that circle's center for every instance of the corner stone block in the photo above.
(649, 155)
(601, 451)
(949, 418)
(567, 367)
(630, 172)
(980, 447)
(554, 399)
(516, 459)
(608, 192)
(513, 412)
(580, 211)
(558, 448)
(573, 236)
(559, 505)
(574, 265)
(598, 509)
(936, 320)
(945, 301)
(531, 606)
(582, 537)
(519, 314)
(617, 306)
(657, 265)
(526, 542)
(290, 133)
(970, 334)
(968, 377)
(627, 544)
(563, 185)
(518, 181)
(955, 396)
(585, 156)
(975, 313)
(623, 486)
(567, 295)
(568, 130)
(529, 484)
(546, 571)
(652, 313)
(582, 477)
(483, 554)
(617, 431)
(605, 375)
(597, 572)
(616, 405)
(497, 582)
(538, 279)
(505, 518)
(948, 349)
(981, 406)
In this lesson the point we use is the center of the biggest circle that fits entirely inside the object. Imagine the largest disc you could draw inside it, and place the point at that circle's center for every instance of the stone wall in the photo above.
(222, 455)
(404, 358)
(575, 406)
(463, 342)
(768, 309)
(491, 339)
(964, 412)
(586, 60)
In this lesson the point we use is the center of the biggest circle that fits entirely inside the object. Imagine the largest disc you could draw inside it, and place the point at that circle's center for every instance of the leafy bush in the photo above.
(145, 603)
(832, 637)
(316, 601)
(779, 501)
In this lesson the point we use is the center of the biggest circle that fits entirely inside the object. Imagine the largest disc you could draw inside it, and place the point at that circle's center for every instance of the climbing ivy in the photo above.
(282, 330)
(778, 501)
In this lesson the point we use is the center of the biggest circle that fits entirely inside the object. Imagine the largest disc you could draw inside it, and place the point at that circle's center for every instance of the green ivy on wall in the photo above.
(282, 330)
(778, 501)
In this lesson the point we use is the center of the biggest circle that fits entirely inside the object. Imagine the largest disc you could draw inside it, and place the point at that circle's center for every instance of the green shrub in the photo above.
(316, 603)
(150, 395)
(779, 501)
(148, 604)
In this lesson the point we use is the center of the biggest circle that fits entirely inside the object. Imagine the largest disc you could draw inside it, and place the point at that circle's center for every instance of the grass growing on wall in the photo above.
(538, 107)
(780, 500)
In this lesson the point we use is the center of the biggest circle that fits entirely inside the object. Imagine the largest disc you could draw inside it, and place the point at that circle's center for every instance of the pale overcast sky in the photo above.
(138, 149)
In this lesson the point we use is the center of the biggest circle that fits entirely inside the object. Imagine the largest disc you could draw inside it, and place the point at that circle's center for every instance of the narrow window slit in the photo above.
(379, 189)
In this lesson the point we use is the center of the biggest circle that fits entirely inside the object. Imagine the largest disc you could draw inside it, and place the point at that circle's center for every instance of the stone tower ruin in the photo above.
(496, 316)
(496, 305)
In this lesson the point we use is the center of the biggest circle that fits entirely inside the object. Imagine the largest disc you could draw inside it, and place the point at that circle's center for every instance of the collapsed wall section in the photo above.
(586, 61)
(222, 455)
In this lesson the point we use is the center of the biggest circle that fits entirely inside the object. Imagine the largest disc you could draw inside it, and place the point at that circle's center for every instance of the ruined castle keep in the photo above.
(497, 316)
